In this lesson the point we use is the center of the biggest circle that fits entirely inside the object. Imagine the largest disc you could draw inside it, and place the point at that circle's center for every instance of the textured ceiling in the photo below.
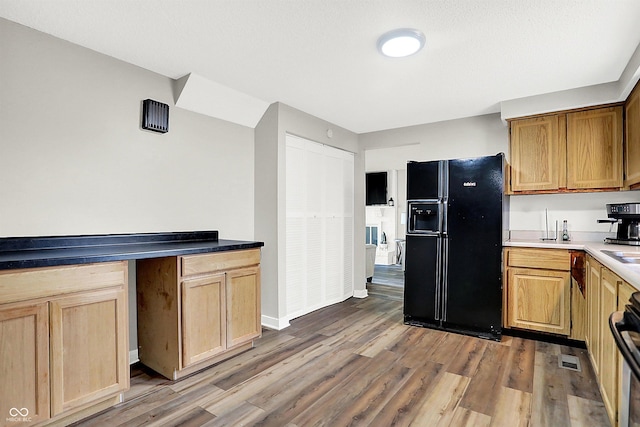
(320, 56)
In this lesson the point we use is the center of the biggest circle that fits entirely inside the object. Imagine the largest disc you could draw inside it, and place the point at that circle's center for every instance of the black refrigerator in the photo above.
(456, 223)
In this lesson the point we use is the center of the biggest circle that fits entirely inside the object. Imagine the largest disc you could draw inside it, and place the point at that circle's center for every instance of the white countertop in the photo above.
(628, 272)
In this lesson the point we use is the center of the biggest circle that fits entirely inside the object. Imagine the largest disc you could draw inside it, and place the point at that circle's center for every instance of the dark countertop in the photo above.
(30, 252)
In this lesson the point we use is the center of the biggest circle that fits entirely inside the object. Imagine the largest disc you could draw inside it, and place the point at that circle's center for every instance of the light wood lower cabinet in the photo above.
(607, 293)
(539, 300)
(593, 303)
(196, 310)
(88, 338)
(624, 294)
(64, 351)
(608, 373)
(243, 306)
(24, 360)
(538, 286)
(204, 332)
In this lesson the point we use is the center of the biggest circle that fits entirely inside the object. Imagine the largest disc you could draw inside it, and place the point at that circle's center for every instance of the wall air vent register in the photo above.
(155, 116)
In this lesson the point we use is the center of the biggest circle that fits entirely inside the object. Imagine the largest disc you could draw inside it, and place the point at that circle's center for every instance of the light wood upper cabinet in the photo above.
(567, 152)
(535, 153)
(632, 139)
(24, 360)
(594, 149)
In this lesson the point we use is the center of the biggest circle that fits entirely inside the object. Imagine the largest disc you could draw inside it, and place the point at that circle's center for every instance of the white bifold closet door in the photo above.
(319, 226)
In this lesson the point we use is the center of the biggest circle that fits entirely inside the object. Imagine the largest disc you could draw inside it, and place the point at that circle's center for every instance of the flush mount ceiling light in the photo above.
(401, 42)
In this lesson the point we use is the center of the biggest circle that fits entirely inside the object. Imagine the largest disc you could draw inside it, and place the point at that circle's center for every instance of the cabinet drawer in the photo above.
(26, 284)
(549, 259)
(207, 263)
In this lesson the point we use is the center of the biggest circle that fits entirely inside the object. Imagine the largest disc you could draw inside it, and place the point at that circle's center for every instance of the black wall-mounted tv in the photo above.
(376, 185)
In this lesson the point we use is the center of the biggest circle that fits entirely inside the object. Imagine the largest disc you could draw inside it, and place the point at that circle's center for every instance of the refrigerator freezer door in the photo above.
(423, 179)
(474, 278)
(422, 275)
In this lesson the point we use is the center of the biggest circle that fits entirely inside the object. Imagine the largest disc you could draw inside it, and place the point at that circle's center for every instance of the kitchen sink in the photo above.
(625, 257)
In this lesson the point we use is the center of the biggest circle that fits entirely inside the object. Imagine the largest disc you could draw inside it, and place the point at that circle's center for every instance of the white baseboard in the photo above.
(360, 293)
(133, 356)
(281, 323)
(274, 323)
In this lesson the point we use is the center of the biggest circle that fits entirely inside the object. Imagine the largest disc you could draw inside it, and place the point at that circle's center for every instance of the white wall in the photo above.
(581, 210)
(75, 160)
(266, 202)
(392, 149)
(578, 97)
(270, 199)
(478, 136)
(470, 137)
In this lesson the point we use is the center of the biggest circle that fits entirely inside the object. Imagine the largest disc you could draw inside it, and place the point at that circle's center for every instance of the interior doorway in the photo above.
(386, 222)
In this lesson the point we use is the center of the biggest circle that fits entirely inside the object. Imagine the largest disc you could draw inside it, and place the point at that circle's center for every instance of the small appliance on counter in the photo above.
(627, 217)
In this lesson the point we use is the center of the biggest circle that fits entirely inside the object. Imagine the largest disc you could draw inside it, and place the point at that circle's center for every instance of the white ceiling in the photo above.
(320, 56)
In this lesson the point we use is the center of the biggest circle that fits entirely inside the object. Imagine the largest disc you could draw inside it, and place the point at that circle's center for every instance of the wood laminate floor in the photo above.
(356, 363)
(394, 293)
(390, 275)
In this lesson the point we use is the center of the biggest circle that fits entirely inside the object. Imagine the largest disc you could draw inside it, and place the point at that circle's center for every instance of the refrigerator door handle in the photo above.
(445, 281)
(444, 213)
(438, 272)
(443, 178)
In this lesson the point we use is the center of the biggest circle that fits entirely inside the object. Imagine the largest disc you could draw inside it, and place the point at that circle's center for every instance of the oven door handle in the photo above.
(617, 324)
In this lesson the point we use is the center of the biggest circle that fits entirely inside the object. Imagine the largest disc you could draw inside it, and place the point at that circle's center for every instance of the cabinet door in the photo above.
(243, 306)
(609, 352)
(624, 294)
(539, 300)
(594, 148)
(89, 348)
(593, 312)
(203, 318)
(578, 312)
(535, 154)
(632, 139)
(24, 362)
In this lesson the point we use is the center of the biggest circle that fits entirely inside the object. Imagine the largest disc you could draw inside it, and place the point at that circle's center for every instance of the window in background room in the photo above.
(372, 235)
